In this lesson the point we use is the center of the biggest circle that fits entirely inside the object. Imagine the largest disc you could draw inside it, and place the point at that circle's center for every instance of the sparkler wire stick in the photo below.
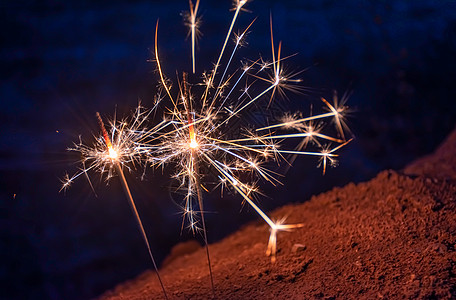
(113, 155)
(200, 203)
(193, 146)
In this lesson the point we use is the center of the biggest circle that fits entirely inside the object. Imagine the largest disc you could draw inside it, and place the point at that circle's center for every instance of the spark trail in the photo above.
(113, 155)
(207, 134)
(199, 131)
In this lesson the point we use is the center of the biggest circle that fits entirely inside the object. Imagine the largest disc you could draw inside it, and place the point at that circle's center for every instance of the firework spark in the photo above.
(193, 23)
(207, 130)
(110, 153)
(200, 124)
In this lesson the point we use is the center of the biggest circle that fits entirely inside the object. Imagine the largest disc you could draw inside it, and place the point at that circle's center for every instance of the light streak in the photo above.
(205, 135)
(204, 132)
(109, 155)
(193, 24)
(114, 156)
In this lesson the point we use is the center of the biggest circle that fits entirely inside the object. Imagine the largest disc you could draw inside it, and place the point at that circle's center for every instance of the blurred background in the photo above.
(61, 61)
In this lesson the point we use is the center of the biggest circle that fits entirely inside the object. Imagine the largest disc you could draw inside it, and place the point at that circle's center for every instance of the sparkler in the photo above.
(198, 129)
(107, 157)
(204, 132)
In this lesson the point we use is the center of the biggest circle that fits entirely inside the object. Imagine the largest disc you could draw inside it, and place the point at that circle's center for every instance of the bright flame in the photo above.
(193, 144)
(112, 153)
(233, 155)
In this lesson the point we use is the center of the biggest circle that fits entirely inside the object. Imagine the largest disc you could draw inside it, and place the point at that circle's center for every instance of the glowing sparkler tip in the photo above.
(193, 144)
(112, 153)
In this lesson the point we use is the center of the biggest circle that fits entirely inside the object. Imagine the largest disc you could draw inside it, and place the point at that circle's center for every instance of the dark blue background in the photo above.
(61, 61)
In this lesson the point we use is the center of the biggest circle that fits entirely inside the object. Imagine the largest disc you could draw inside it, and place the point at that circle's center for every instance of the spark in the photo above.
(339, 111)
(205, 132)
(114, 156)
(275, 228)
(193, 144)
(108, 157)
(193, 22)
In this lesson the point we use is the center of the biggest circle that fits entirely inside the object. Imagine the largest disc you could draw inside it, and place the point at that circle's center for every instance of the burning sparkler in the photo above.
(203, 132)
(111, 153)
(199, 128)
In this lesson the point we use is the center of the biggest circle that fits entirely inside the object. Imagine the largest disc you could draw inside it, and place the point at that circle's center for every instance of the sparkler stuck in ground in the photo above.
(205, 132)
(114, 156)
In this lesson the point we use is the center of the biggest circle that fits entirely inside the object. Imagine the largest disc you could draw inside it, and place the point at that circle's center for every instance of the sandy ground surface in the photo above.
(391, 237)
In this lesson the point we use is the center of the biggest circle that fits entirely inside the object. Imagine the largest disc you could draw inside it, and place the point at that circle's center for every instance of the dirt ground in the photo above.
(391, 237)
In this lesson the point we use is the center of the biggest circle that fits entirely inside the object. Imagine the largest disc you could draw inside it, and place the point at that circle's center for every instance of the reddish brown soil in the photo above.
(391, 237)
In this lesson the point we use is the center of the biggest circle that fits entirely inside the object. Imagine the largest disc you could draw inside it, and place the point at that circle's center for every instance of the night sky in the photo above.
(62, 61)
